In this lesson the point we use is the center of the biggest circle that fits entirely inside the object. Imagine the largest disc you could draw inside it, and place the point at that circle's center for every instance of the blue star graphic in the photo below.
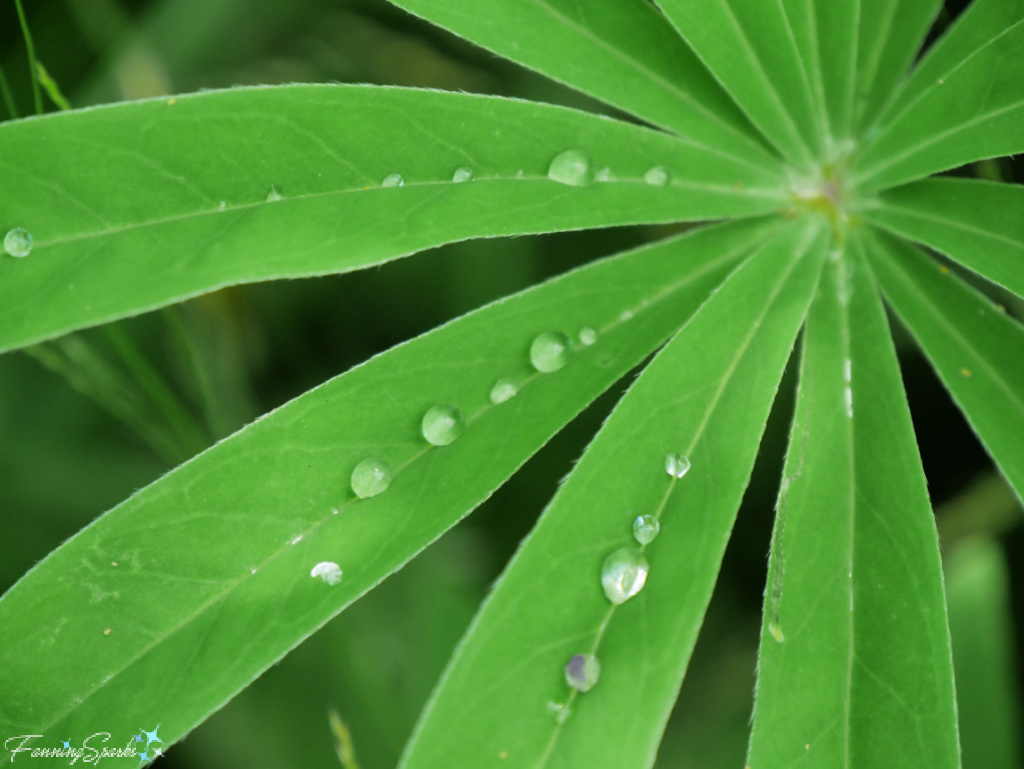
(67, 744)
(143, 758)
(151, 737)
(138, 737)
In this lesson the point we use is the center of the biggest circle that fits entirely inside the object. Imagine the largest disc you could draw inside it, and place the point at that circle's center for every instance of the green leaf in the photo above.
(976, 223)
(169, 604)
(981, 623)
(622, 52)
(976, 349)
(750, 47)
(976, 27)
(855, 666)
(707, 395)
(826, 33)
(974, 111)
(124, 202)
(890, 33)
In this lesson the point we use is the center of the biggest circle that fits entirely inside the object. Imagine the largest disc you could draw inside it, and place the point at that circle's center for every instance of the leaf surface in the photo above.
(855, 666)
(975, 347)
(172, 602)
(706, 395)
(977, 223)
(125, 202)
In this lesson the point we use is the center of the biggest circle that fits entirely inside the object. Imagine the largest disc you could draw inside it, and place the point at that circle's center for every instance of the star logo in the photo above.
(151, 737)
(67, 744)
(143, 758)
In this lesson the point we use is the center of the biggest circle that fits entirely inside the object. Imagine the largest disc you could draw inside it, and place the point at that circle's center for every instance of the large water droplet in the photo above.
(273, 195)
(645, 529)
(623, 574)
(18, 242)
(503, 389)
(370, 478)
(550, 351)
(443, 424)
(573, 167)
(328, 571)
(657, 177)
(582, 672)
(677, 465)
(393, 180)
(462, 175)
(587, 336)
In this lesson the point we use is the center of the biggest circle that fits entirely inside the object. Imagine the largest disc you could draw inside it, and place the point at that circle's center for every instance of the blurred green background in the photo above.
(87, 420)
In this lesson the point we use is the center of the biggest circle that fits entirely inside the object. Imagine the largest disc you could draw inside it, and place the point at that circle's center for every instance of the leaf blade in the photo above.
(137, 222)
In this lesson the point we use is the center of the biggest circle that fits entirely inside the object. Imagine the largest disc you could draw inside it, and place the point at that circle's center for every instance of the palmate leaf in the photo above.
(172, 602)
(124, 202)
(707, 395)
(855, 666)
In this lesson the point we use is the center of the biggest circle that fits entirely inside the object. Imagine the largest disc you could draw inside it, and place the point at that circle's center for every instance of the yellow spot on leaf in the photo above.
(944, 269)
(171, 102)
(106, 632)
(965, 371)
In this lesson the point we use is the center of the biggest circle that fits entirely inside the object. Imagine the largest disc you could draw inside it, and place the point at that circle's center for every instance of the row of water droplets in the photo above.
(623, 575)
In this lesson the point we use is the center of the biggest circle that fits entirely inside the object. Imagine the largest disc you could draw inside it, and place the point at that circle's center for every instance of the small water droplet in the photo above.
(328, 571)
(462, 175)
(623, 574)
(582, 672)
(222, 206)
(677, 465)
(645, 529)
(572, 167)
(443, 424)
(370, 478)
(625, 315)
(605, 175)
(18, 242)
(503, 389)
(296, 540)
(273, 195)
(393, 180)
(587, 336)
(776, 631)
(657, 177)
(550, 351)
(559, 711)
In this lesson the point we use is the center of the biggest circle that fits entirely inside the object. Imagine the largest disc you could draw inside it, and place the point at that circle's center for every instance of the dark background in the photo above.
(65, 458)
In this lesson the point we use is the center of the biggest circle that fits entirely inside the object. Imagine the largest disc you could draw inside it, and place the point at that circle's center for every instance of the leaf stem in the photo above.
(12, 108)
(37, 96)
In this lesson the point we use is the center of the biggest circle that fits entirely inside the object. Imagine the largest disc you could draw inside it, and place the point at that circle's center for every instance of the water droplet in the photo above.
(776, 631)
(393, 180)
(677, 465)
(582, 672)
(297, 539)
(550, 351)
(328, 571)
(273, 195)
(462, 175)
(559, 711)
(587, 336)
(623, 574)
(370, 478)
(572, 167)
(443, 424)
(18, 242)
(222, 206)
(657, 177)
(605, 175)
(645, 529)
(503, 389)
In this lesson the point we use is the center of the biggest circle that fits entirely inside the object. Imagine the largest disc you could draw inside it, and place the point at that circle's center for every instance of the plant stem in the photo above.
(12, 108)
(36, 94)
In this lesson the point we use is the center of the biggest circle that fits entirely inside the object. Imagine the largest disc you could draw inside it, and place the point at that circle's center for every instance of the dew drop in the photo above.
(443, 424)
(587, 336)
(296, 539)
(623, 574)
(550, 351)
(605, 175)
(559, 711)
(582, 672)
(222, 206)
(462, 175)
(677, 465)
(645, 529)
(657, 177)
(370, 478)
(273, 195)
(393, 180)
(572, 167)
(18, 242)
(503, 389)
(328, 571)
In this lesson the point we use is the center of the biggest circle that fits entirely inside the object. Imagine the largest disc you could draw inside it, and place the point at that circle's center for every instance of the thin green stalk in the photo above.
(12, 108)
(52, 90)
(37, 95)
